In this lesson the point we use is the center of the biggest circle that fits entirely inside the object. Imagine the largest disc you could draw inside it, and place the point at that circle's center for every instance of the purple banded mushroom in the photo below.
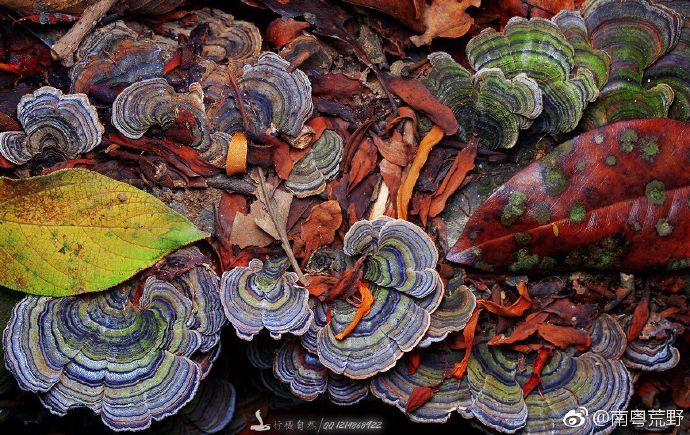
(395, 386)
(275, 101)
(399, 269)
(308, 378)
(129, 358)
(452, 314)
(67, 124)
(318, 166)
(154, 103)
(113, 57)
(264, 295)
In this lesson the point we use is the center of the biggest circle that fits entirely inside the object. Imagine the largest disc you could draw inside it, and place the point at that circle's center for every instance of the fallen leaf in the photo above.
(319, 228)
(418, 397)
(535, 377)
(516, 309)
(76, 231)
(564, 336)
(257, 227)
(407, 187)
(366, 301)
(282, 31)
(415, 359)
(460, 368)
(445, 18)
(639, 319)
(618, 195)
(393, 149)
(336, 86)
(363, 163)
(522, 331)
(462, 165)
(418, 96)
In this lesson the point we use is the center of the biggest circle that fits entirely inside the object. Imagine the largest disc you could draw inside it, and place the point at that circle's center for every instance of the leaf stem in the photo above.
(280, 229)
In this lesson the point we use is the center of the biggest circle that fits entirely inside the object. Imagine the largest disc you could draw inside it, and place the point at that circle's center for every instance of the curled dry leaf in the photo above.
(319, 228)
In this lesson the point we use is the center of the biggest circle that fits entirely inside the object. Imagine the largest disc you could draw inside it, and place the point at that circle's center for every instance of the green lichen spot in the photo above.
(663, 228)
(522, 238)
(580, 166)
(650, 148)
(611, 160)
(542, 214)
(578, 212)
(603, 255)
(524, 260)
(635, 226)
(599, 138)
(678, 263)
(554, 179)
(656, 192)
(627, 140)
(517, 202)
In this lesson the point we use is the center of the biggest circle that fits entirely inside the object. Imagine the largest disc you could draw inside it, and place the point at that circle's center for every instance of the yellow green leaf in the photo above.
(77, 231)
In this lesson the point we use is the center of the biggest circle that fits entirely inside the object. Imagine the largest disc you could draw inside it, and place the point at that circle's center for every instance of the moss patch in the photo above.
(578, 212)
(650, 148)
(663, 228)
(522, 238)
(554, 178)
(524, 260)
(599, 138)
(514, 209)
(542, 214)
(655, 192)
(678, 263)
(627, 140)
(611, 160)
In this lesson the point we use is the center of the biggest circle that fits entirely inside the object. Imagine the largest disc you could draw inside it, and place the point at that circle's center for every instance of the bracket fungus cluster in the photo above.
(154, 103)
(635, 34)
(487, 103)
(389, 224)
(113, 57)
(65, 123)
(264, 295)
(538, 49)
(131, 358)
(274, 100)
(320, 165)
(399, 269)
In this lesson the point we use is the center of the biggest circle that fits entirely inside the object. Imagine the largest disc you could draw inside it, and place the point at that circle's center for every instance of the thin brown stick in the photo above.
(63, 50)
(280, 229)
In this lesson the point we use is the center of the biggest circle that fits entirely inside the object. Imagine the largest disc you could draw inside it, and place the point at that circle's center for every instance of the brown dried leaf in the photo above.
(319, 228)
(445, 18)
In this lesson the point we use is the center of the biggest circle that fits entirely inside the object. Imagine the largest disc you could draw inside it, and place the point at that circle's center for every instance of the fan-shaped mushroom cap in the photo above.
(319, 166)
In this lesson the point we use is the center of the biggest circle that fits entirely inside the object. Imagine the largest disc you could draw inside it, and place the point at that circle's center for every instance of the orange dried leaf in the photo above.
(462, 165)
(445, 18)
(362, 310)
(407, 186)
(319, 228)
(236, 162)
(522, 331)
(516, 309)
(639, 319)
(460, 368)
(535, 378)
(414, 363)
(564, 336)
(418, 397)
(282, 31)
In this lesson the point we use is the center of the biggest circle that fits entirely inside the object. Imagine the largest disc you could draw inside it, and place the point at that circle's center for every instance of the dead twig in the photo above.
(280, 229)
(63, 50)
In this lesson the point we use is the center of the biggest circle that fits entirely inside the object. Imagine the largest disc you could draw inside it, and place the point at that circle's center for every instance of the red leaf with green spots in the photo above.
(612, 198)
